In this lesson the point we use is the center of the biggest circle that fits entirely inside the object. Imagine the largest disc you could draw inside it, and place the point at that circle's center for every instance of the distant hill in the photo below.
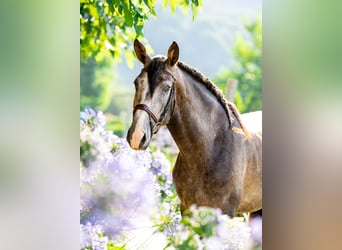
(205, 42)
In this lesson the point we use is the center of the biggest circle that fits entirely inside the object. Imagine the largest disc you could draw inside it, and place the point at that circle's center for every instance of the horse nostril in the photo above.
(143, 140)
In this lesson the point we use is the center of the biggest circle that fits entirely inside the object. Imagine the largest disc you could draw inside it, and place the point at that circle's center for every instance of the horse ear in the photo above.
(140, 51)
(173, 53)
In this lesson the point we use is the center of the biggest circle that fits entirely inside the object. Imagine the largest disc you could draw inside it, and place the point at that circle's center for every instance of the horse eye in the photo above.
(166, 88)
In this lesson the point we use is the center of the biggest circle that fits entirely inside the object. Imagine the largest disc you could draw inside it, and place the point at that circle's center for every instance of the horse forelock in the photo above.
(229, 107)
(154, 68)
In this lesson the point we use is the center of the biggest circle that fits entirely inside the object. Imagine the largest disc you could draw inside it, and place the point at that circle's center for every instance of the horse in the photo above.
(219, 163)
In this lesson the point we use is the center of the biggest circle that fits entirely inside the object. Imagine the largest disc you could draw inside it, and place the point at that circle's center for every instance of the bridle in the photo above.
(157, 121)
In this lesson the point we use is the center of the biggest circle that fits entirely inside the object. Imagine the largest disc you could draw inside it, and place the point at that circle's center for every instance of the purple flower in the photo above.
(256, 229)
(116, 184)
(90, 236)
(161, 169)
(119, 193)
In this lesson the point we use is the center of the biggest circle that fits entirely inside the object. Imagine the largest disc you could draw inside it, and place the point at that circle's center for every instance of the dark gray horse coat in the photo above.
(219, 162)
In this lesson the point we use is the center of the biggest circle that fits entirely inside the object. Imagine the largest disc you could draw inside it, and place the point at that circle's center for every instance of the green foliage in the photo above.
(97, 92)
(111, 25)
(112, 246)
(86, 154)
(207, 228)
(107, 25)
(203, 222)
(116, 124)
(247, 69)
(96, 83)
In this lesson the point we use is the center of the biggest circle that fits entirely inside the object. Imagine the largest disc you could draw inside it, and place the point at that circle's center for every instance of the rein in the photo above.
(145, 108)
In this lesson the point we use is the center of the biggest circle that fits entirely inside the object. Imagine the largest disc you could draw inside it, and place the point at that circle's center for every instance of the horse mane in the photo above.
(229, 107)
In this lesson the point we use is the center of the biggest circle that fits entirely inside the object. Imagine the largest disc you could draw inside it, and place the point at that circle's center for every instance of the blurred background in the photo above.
(39, 108)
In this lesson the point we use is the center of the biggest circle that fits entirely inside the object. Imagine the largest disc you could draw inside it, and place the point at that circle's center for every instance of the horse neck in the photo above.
(199, 120)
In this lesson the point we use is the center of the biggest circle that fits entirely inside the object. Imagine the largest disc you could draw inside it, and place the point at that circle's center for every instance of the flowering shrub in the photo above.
(207, 228)
(128, 200)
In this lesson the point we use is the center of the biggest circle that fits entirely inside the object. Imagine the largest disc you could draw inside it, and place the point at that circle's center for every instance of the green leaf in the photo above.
(173, 5)
(120, 8)
(149, 3)
(117, 21)
(194, 10)
(138, 29)
(128, 16)
(112, 52)
(111, 6)
(165, 2)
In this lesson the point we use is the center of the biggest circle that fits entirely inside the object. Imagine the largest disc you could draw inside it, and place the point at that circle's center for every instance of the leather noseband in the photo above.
(145, 108)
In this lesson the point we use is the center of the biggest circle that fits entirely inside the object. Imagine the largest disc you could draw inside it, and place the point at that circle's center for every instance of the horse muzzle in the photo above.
(138, 140)
(139, 135)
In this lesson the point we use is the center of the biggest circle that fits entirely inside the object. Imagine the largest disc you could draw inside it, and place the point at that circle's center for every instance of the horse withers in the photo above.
(219, 162)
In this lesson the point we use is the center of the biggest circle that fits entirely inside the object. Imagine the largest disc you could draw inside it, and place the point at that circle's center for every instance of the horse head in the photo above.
(154, 95)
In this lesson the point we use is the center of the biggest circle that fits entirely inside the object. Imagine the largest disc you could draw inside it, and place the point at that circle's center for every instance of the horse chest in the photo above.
(194, 188)
(190, 190)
